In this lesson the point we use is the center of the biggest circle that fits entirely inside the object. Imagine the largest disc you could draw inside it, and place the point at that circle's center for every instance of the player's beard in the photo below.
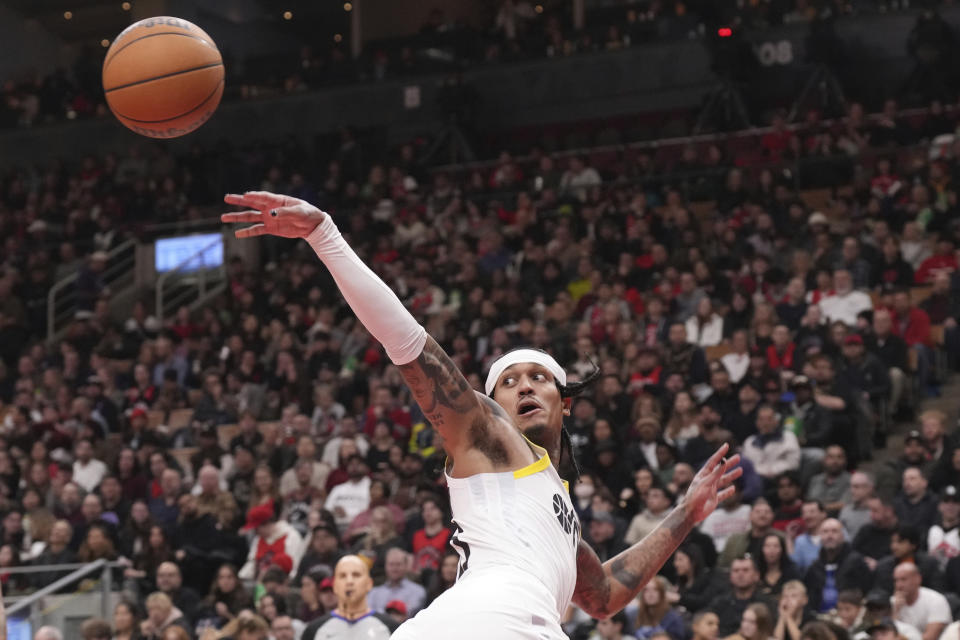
(539, 434)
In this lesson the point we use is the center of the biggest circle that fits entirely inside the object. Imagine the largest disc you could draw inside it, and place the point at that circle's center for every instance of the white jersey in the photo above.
(517, 535)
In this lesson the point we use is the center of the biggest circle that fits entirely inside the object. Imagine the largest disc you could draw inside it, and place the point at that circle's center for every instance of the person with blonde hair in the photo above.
(792, 611)
(655, 612)
(161, 615)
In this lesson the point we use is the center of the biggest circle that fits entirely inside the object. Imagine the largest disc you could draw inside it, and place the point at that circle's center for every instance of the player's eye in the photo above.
(507, 381)
(539, 376)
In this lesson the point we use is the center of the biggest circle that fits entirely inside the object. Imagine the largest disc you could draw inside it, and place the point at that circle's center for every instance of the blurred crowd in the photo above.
(227, 457)
(511, 30)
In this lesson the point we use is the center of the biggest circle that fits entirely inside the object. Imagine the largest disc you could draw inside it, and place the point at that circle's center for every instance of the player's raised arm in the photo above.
(437, 385)
(604, 589)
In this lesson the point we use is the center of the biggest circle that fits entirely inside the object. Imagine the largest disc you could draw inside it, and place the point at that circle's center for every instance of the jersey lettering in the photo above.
(462, 547)
(567, 518)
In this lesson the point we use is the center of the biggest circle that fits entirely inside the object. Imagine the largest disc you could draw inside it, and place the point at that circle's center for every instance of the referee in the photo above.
(352, 619)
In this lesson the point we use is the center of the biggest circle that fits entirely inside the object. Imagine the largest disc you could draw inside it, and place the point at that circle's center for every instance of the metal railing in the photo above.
(184, 284)
(26, 603)
(62, 301)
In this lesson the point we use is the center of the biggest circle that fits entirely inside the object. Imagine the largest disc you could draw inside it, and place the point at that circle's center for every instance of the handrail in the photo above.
(115, 272)
(53, 587)
(40, 568)
(201, 275)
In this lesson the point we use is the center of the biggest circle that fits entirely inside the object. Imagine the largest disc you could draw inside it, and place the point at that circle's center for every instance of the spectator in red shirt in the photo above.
(431, 541)
(943, 260)
(913, 325)
(384, 405)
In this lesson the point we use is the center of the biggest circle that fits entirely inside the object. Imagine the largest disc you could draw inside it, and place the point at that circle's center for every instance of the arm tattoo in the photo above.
(437, 384)
(603, 590)
(592, 593)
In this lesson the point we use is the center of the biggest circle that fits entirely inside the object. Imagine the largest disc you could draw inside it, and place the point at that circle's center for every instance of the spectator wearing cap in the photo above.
(657, 505)
(347, 500)
(915, 503)
(878, 606)
(856, 511)
(917, 605)
(603, 536)
(322, 550)
(891, 350)
(883, 629)
(905, 546)
(87, 470)
(101, 405)
(744, 591)
(914, 454)
(808, 420)
(864, 371)
(832, 485)
(846, 302)
(276, 543)
(943, 539)
(806, 545)
(397, 586)
(772, 450)
(397, 610)
(837, 567)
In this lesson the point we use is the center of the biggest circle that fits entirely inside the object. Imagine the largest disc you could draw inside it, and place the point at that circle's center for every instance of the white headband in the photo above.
(525, 356)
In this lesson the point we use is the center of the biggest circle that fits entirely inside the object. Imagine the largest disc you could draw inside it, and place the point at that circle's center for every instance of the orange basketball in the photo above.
(163, 77)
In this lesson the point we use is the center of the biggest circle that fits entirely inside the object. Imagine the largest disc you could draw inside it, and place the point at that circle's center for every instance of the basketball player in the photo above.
(515, 527)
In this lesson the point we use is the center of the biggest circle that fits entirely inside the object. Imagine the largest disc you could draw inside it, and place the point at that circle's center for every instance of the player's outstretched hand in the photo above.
(273, 215)
(712, 485)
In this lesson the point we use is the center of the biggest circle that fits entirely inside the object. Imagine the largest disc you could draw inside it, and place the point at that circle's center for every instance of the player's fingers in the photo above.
(255, 199)
(241, 216)
(731, 476)
(726, 493)
(732, 462)
(251, 232)
(714, 460)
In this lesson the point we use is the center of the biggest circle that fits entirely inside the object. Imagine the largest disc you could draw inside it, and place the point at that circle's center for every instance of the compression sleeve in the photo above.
(375, 304)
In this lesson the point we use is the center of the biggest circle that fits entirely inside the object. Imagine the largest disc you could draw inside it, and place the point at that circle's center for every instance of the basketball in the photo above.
(163, 77)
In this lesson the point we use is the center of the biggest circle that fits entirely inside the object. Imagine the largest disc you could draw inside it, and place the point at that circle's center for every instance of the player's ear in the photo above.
(567, 403)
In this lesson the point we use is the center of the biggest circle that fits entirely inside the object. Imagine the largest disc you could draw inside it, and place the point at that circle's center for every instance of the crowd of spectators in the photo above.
(800, 335)
(512, 30)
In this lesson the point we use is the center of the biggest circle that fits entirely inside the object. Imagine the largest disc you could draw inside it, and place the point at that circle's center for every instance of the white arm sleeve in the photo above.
(377, 307)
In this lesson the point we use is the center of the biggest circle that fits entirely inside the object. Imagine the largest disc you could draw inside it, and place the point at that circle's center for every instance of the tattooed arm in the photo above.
(604, 589)
(444, 395)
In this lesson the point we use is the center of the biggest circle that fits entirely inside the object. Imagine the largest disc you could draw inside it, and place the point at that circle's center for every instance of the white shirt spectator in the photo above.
(929, 607)
(943, 545)
(773, 455)
(352, 497)
(736, 365)
(721, 524)
(706, 335)
(845, 307)
(89, 475)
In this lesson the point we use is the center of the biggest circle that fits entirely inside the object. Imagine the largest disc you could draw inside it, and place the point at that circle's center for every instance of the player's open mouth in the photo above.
(528, 407)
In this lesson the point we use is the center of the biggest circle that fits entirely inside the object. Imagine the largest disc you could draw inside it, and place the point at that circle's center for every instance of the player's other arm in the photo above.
(604, 589)
(437, 385)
